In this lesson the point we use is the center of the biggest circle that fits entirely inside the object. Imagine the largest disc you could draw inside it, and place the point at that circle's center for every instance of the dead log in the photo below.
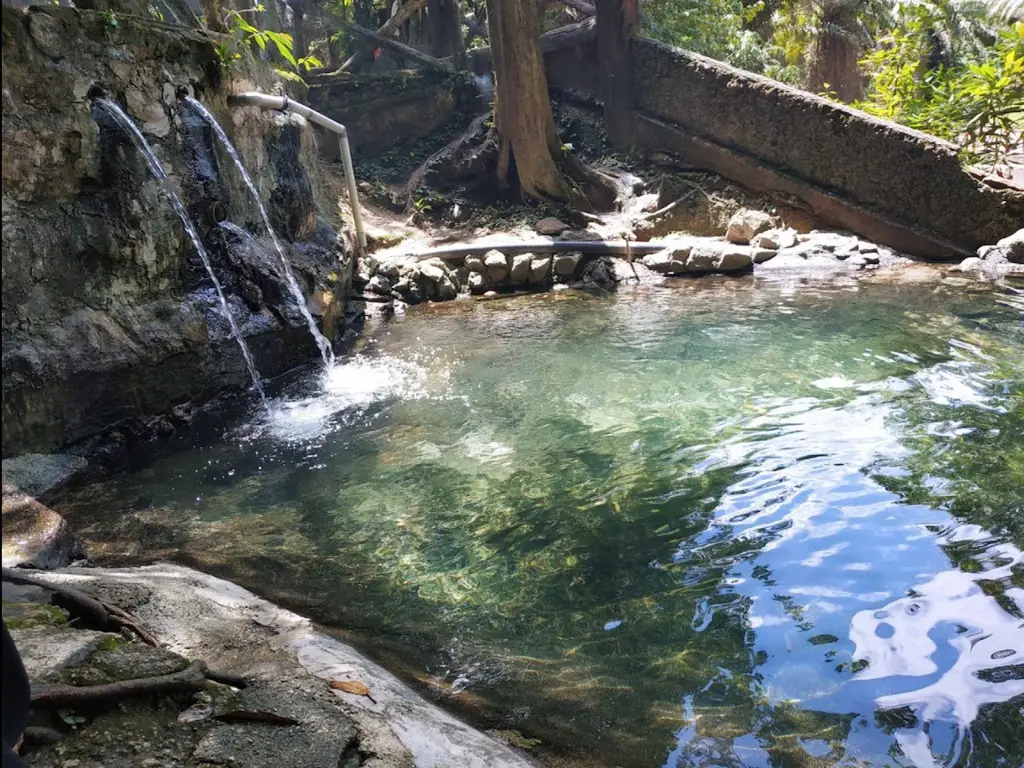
(563, 37)
(386, 30)
(405, 51)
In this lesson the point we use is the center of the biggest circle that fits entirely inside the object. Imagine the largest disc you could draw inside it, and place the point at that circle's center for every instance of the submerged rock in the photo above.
(747, 223)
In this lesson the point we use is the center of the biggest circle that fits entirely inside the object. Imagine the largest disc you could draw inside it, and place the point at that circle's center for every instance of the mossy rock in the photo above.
(18, 615)
(116, 660)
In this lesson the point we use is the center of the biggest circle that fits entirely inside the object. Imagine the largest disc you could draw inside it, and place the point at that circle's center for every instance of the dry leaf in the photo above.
(350, 686)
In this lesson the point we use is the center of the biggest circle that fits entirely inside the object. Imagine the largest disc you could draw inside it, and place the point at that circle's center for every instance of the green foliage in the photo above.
(244, 34)
(979, 105)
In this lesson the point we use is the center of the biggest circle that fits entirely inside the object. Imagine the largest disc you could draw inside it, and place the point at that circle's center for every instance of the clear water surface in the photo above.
(714, 523)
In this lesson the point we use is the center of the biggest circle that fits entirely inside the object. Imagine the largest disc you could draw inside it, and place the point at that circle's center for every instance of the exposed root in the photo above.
(189, 680)
(666, 209)
(448, 152)
(92, 612)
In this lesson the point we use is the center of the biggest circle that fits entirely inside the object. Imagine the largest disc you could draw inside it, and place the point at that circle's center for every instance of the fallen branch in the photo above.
(93, 612)
(555, 40)
(386, 30)
(188, 680)
(665, 209)
(401, 49)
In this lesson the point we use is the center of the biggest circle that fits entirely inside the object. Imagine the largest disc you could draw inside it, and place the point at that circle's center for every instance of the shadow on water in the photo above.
(707, 524)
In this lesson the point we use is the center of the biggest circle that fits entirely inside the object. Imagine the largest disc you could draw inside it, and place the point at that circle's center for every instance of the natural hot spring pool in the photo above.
(710, 523)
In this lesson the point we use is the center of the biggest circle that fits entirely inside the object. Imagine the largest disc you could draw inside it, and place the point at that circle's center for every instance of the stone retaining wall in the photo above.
(881, 180)
(386, 109)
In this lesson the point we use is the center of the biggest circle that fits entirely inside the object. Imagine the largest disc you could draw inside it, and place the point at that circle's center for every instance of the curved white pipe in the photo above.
(284, 104)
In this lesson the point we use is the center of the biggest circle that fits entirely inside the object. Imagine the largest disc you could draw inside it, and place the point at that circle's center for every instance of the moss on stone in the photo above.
(31, 615)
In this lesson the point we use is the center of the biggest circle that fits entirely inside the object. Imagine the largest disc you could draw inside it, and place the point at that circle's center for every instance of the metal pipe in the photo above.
(284, 104)
(615, 247)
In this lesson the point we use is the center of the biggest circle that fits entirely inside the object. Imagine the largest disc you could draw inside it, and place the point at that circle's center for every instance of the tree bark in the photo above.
(446, 30)
(613, 35)
(523, 121)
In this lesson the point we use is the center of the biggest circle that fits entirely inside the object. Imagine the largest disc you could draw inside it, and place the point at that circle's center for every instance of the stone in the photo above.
(389, 269)
(600, 272)
(47, 651)
(587, 235)
(761, 255)
(735, 258)
(48, 34)
(540, 270)
(550, 227)
(36, 473)
(475, 263)
(970, 264)
(747, 223)
(566, 264)
(379, 285)
(716, 256)
(432, 272)
(667, 262)
(786, 260)
(865, 247)
(477, 283)
(775, 239)
(1013, 247)
(34, 535)
(496, 264)
(520, 272)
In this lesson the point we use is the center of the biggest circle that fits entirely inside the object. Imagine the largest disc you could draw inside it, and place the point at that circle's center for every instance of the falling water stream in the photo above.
(158, 171)
(286, 270)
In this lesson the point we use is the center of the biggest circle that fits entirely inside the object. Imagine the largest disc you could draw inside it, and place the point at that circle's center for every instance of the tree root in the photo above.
(92, 612)
(188, 680)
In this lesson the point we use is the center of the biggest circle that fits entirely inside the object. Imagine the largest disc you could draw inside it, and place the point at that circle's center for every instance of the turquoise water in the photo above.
(718, 522)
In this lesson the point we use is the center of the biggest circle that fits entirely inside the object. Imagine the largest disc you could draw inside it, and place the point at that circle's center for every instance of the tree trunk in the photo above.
(214, 16)
(613, 35)
(446, 30)
(299, 43)
(523, 121)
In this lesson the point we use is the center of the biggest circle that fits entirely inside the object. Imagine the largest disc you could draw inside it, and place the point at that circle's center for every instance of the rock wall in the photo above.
(384, 109)
(884, 181)
(109, 320)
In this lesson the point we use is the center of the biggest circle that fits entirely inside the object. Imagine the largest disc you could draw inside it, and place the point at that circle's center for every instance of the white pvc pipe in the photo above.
(284, 104)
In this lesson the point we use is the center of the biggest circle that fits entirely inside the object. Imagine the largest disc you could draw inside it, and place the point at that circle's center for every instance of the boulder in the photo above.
(600, 272)
(671, 261)
(34, 535)
(520, 272)
(496, 265)
(747, 223)
(550, 227)
(379, 285)
(761, 255)
(540, 270)
(477, 283)
(775, 239)
(433, 273)
(719, 257)
(566, 264)
(475, 263)
(1013, 247)
(970, 264)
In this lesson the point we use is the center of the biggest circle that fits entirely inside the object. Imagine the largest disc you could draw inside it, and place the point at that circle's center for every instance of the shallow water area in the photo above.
(716, 522)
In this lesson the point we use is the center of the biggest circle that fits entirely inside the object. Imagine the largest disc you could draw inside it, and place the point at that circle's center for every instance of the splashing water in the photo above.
(286, 269)
(125, 122)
